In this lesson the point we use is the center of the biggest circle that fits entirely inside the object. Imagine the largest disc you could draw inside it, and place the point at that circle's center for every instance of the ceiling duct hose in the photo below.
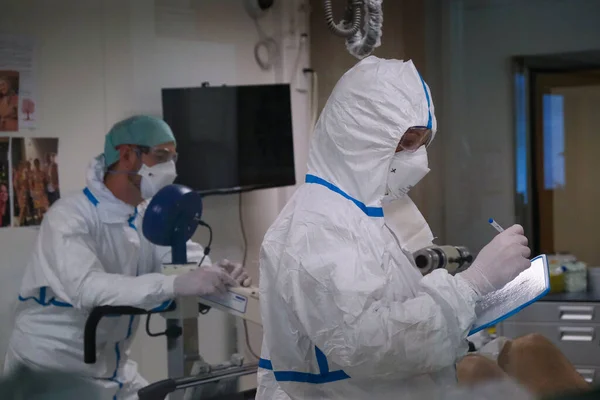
(350, 25)
(361, 44)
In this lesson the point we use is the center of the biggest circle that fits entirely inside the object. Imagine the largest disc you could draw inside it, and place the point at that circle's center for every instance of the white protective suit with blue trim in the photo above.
(89, 252)
(346, 314)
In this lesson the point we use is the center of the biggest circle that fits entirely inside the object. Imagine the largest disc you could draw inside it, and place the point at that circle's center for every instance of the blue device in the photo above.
(172, 218)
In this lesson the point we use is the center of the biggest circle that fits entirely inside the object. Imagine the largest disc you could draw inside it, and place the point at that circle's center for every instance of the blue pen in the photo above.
(495, 225)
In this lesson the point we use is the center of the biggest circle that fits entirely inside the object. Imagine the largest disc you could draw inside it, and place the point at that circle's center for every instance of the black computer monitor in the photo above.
(232, 138)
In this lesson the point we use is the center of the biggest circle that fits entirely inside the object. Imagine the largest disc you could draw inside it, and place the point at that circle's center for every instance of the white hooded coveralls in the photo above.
(346, 314)
(89, 252)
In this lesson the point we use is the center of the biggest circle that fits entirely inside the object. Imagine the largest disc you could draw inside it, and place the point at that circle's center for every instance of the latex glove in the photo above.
(203, 281)
(505, 257)
(237, 272)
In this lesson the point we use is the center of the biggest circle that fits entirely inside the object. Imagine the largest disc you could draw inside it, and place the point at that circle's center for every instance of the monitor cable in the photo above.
(244, 259)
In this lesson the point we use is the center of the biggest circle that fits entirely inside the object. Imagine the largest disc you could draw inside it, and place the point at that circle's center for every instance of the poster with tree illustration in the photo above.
(18, 88)
(28, 108)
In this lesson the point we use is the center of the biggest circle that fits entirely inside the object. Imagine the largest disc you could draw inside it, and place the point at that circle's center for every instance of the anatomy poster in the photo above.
(5, 197)
(35, 178)
(17, 83)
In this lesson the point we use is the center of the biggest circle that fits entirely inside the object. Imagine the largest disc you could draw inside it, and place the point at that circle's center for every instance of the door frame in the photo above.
(535, 70)
(543, 83)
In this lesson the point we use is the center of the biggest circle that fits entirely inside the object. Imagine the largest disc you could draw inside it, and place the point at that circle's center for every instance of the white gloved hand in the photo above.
(237, 272)
(505, 257)
(203, 281)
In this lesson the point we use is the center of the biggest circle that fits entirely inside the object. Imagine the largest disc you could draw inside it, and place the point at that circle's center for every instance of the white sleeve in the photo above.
(339, 293)
(76, 274)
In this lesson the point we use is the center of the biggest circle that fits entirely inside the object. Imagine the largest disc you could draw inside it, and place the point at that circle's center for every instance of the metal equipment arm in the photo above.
(159, 390)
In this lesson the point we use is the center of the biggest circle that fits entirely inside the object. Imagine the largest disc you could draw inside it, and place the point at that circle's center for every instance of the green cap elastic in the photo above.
(141, 130)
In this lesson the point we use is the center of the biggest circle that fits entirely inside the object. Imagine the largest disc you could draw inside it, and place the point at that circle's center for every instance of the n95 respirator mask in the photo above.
(156, 177)
(405, 171)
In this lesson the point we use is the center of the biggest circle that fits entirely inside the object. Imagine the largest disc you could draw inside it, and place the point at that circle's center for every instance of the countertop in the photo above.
(592, 295)
(582, 297)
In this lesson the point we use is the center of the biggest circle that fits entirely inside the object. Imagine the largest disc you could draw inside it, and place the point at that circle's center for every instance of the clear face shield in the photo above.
(159, 154)
(413, 138)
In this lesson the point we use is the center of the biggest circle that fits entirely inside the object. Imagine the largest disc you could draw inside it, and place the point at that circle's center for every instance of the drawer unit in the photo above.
(571, 321)
(578, 341)
(547, 311)
(590, 374)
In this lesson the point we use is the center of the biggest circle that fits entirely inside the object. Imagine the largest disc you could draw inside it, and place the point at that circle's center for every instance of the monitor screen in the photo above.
(232, 138)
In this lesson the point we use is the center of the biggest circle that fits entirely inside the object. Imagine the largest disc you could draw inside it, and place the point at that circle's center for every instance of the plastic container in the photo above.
(575, 274)
(557, 260)
(557, 282)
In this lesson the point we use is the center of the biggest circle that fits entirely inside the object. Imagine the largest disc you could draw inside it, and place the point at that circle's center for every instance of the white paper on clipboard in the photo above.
(527, 288)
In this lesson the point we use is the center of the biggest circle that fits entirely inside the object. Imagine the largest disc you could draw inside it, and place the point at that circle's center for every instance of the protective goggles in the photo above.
(414, 137)
(159, 154)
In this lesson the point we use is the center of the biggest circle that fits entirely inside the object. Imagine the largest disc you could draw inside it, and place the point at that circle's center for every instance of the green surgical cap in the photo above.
(141, 130)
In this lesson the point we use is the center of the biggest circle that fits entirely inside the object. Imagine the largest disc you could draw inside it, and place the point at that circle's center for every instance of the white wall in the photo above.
(100, 61)
(476, 39)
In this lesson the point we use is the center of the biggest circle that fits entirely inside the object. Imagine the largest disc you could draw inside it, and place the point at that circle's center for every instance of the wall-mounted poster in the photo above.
(9, 101)
(35, 178)
(5, 197)
(17, 82)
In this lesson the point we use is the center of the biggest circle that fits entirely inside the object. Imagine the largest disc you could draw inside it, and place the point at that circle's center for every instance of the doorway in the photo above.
(558, 153)
(566, 155)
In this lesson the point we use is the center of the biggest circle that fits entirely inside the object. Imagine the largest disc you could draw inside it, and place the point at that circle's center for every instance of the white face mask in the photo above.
(156, 177)
(406, 170)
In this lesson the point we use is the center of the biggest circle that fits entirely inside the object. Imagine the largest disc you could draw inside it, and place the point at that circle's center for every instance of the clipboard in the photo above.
(527, 288)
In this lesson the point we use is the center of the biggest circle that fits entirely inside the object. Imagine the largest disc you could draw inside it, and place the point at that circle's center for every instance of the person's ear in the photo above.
(128, 157)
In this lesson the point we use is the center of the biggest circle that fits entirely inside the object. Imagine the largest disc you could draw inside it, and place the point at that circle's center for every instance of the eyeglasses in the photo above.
(414, 137)
(160, 155)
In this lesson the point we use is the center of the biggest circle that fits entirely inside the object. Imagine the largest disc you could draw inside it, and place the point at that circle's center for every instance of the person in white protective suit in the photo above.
(90, 252)
(346, 313)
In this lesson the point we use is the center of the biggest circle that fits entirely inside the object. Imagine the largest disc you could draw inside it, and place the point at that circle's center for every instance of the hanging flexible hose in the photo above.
(347, 27)
(360, 44)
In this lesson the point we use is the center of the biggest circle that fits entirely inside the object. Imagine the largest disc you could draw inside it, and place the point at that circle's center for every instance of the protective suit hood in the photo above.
(357, 133)
(110, 209)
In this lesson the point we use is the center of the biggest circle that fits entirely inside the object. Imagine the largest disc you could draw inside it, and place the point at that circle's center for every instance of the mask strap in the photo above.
(122, 172)
(138, 152)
